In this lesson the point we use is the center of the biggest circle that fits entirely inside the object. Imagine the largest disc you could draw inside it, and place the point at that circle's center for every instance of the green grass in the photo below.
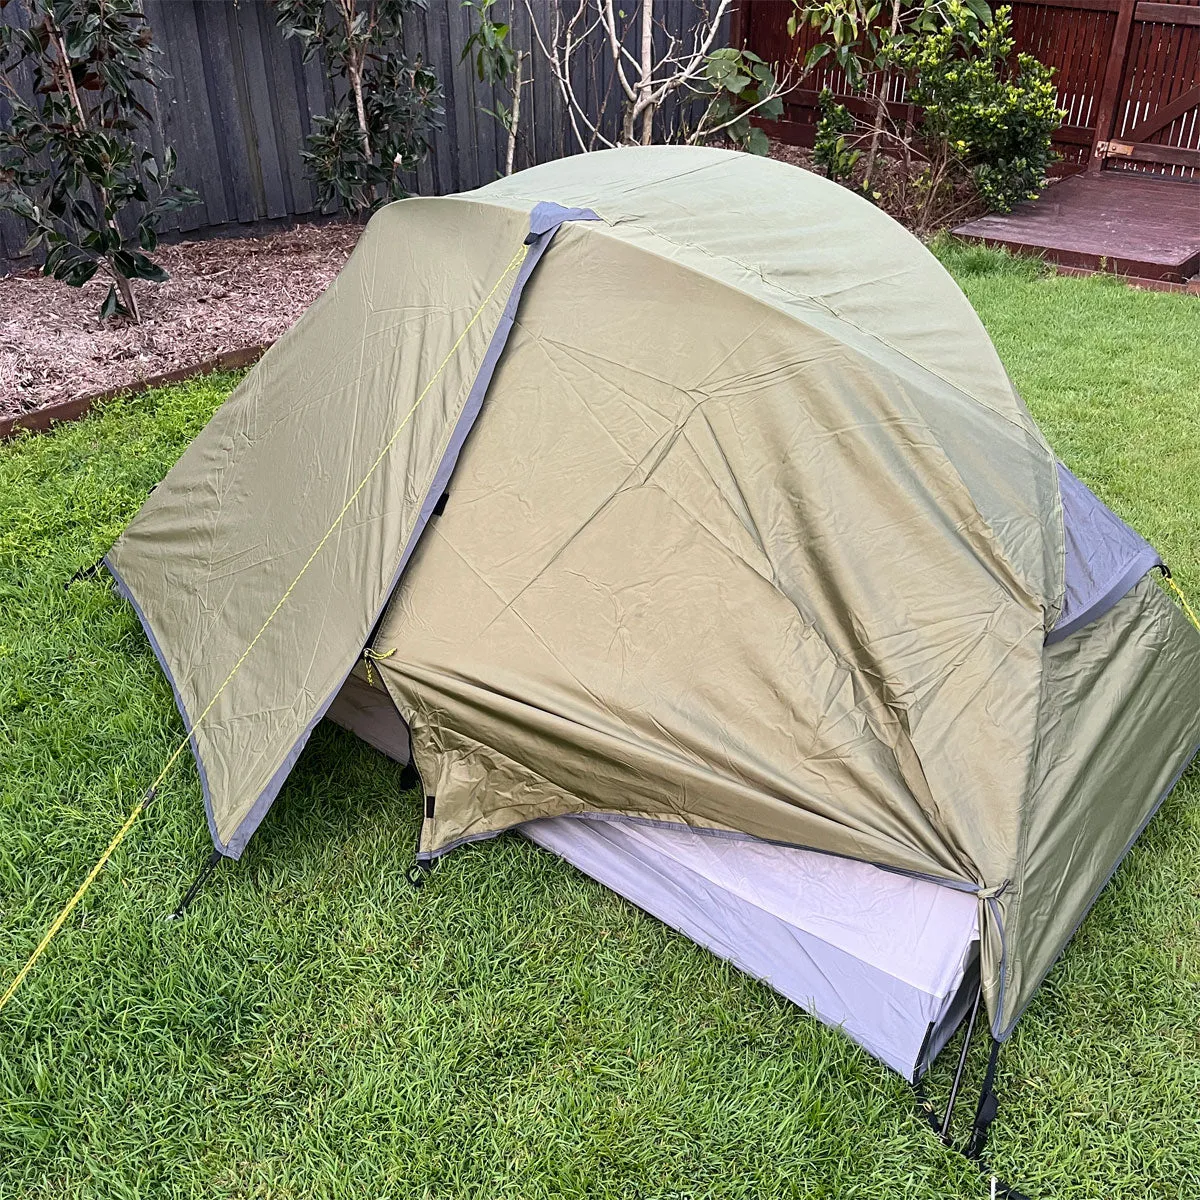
(315, 1028)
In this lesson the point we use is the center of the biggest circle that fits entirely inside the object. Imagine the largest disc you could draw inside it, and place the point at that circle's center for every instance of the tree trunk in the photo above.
(124, 286)
(881, 104)
(515, 123)
(647, 72)
(354, 62)
(125, 290)
(355, 72)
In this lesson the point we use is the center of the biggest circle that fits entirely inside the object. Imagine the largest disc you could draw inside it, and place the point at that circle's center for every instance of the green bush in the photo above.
(74, 158)
(830, 152)
(384, 118)
(992, 111)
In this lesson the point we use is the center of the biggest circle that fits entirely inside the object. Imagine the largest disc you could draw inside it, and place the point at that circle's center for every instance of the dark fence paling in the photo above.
(237, 103)
(1127, 72)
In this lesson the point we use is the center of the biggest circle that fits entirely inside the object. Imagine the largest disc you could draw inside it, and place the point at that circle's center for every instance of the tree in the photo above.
(986, 114)
(381, 127)
(732, 83)
(853, 36)
(497, 63)
(73, 158)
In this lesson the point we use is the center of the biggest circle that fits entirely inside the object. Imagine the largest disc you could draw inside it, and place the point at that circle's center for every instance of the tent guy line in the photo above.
(514, 264)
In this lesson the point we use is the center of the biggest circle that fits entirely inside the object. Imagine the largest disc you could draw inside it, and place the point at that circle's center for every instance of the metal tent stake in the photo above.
(962, 1064)
(193, 891)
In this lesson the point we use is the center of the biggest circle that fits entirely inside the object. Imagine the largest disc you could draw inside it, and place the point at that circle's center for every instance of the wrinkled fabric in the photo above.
(219, 542)
(1119, 722)
(751, 534)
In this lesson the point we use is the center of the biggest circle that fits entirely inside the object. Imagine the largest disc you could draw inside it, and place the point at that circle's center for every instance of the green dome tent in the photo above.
(683, 492)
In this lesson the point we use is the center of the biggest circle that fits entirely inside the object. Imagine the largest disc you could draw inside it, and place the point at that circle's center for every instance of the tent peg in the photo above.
(194, 890)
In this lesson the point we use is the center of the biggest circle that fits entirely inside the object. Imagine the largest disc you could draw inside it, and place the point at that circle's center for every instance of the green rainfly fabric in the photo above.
(752, 534)
(217, 545)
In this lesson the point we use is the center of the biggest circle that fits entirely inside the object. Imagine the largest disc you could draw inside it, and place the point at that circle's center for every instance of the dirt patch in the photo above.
(224, 294)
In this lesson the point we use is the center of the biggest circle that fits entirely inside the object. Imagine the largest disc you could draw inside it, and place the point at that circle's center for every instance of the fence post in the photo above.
(1114, 75)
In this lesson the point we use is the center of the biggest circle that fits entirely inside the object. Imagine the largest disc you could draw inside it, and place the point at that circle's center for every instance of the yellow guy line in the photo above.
(1187, 608)
(514, 264)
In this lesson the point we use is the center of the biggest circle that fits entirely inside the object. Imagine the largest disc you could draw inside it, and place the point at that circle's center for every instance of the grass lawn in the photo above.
(316, 1028)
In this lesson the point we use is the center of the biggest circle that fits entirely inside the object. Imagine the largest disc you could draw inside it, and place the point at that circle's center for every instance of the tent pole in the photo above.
(962, 1063)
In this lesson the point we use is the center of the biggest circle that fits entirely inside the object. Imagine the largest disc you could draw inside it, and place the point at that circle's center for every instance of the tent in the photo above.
(672, 506)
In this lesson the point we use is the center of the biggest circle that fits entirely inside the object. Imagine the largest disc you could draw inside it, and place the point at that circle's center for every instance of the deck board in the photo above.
(1120, 221)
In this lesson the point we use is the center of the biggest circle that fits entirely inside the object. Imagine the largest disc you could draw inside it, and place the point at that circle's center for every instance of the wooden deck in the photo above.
(1115, 220)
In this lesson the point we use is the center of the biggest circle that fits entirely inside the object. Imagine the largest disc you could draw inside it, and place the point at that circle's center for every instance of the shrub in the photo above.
(830, 152)
(382, 124)
(73, 158)
(992, 113)
(737, 83)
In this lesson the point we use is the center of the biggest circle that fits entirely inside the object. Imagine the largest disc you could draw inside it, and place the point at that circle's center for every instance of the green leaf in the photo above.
(76, 272)
(36, 238)
(53, 258)
(111, 303)
(144, 268)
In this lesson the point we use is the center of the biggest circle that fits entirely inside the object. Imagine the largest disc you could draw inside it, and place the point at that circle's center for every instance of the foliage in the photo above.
(850, 32)
(488, 46)
(987, 119)
(499, 65)
(830, 152)
(73, 160)
(737, 83)
(382, 125)
(993, 113)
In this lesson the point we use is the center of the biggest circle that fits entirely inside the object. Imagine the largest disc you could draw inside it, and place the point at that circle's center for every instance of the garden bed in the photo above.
(224, 295)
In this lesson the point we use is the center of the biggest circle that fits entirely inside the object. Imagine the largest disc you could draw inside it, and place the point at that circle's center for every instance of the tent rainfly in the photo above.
(690, 524)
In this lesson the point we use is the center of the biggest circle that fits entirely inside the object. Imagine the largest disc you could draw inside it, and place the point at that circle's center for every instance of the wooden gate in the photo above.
(1149, 112)
(1127, 72)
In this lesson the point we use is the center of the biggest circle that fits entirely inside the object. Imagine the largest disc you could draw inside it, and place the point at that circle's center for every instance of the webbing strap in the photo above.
(989, 1105)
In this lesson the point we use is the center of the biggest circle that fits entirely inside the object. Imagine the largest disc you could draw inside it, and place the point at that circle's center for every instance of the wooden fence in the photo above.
(1127, 71)
(237, 105)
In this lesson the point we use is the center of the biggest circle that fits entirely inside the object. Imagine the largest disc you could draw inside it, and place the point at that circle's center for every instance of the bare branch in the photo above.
(609, 21)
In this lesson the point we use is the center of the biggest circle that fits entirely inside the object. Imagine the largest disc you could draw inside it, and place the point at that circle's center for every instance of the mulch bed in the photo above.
(223, 295)
(892, 179)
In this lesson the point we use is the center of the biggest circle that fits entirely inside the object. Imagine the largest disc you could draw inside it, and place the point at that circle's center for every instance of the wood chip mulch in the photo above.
(224, 294)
